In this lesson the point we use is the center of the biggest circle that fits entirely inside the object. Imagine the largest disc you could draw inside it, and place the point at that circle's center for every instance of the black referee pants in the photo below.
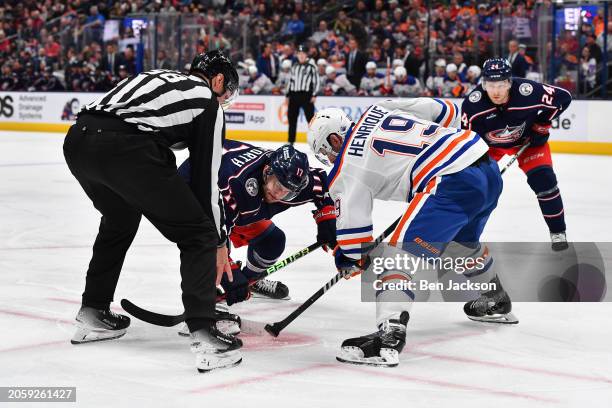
(298, 100)
(126, 174)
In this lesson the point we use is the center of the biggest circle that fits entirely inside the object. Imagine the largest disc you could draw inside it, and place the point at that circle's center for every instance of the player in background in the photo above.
(255, 185)
(397, 152)
(510, 112)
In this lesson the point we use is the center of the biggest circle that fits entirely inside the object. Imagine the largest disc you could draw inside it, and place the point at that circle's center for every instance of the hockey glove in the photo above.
(351, 267)
(540, 132)
(238, 290)
(325, 218)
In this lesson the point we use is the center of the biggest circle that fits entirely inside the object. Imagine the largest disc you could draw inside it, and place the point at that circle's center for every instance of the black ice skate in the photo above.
(271, 289)
(227, 323)
(492, 307)
(97, 325)
(381, 348)
(558, 241)
(214, 349)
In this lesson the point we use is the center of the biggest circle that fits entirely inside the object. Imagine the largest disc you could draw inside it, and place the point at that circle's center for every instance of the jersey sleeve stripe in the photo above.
(451, 113)
(443, 113)
(346, 231)
(353, 241)
(441, 156)
(447, 163)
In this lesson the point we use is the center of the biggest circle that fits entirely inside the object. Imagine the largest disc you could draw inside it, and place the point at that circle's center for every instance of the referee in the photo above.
(119, 151)
(303, 87)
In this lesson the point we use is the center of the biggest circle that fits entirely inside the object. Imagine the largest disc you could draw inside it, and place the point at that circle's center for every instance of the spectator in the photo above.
(321, 65)
(52, 49)
(472, 78)
(414, 62)
(127, 60)
(460, 64)
(518, 62)
(267, 63)
(162, 60)
(322, 32)
(258, 82)
(435, 82)
(371, 82)
(355, 63)
(452, 86)
(337, 85)
(284, 76)
(405, 85)
(295, 26)
(588, 71)
(594, 49)
(111, 60)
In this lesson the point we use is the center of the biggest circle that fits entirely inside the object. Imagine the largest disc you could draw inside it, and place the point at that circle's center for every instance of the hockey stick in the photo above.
(515, 157)
(159, 319)
(275, 328)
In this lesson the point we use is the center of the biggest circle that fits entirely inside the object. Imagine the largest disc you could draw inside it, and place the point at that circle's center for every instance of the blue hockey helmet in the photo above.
(290, 167)
(496, 69)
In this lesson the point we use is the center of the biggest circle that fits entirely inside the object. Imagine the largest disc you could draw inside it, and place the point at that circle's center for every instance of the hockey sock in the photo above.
(543, 182)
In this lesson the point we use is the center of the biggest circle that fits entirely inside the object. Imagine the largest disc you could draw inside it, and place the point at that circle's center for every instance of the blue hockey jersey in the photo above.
(511, 124)
(241, 185)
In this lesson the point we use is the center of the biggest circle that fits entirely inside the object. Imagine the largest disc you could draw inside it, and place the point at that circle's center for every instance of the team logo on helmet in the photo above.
(526, 89)
(475, 96)
(252, 186)
(506, 135)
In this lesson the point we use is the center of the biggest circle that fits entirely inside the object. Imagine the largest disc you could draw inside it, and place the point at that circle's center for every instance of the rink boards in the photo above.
(582, 128)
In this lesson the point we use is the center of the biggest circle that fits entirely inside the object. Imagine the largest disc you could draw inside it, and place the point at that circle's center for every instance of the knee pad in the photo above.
(542, 181)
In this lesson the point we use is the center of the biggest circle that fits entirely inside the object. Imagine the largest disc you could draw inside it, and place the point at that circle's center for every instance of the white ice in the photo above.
(559, 354)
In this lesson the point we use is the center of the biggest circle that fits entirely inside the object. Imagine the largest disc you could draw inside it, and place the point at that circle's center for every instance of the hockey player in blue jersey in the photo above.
(510, 112)
(255, 185)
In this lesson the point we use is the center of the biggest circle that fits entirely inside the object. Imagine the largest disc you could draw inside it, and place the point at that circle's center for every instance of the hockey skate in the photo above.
(494, 306)
(379, 349)
(227, 323)
(270, 289)
(558, 241)
(214, 349)
(97, 325)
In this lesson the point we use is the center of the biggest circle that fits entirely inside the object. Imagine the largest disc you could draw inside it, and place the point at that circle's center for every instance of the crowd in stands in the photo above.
(367, 47)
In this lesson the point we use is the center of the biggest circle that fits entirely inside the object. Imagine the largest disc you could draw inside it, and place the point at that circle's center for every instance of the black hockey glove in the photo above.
(238, 290)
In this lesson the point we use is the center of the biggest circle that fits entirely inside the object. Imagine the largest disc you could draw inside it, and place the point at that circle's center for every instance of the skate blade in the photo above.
(206, 362)
(255, 295)
(83, 336)
(351, 356)
(232, 329)
(508, 318)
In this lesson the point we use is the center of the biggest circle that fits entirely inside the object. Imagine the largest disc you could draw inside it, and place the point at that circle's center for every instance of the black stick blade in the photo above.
(157, 319)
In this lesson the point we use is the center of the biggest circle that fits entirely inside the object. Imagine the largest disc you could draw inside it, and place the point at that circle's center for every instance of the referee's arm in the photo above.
(316, 82)
(205, 153)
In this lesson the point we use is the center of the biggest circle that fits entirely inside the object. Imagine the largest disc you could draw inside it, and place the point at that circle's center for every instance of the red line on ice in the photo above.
(394, 375)
(510, 366)
(259, 378)
(36, 316)
(31, 346)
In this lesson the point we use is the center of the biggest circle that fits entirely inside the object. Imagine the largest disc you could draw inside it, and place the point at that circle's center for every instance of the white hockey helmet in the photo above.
(400, 72)
(397, 63)
(286, 64)
(321, 61)
(252, 70)
(370, 65)
(327, 122)
(330, 70)
(474, 70)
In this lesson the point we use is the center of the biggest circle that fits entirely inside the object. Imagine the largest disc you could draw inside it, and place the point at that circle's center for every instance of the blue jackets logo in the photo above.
(507, 134)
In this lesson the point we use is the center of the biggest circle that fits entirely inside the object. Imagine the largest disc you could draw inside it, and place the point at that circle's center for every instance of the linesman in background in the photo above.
(303, 87)
(119, 151)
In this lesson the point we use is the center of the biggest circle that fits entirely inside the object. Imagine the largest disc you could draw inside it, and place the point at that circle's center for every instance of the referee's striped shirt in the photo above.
(304, 78)
(182, 109)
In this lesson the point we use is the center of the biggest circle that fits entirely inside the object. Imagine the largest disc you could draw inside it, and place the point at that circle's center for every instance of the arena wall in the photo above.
(581, 129)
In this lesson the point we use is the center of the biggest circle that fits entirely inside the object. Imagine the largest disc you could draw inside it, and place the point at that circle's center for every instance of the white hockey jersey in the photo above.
(397, 149)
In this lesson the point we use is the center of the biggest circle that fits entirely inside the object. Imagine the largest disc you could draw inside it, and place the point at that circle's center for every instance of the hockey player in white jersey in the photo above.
(398, 151)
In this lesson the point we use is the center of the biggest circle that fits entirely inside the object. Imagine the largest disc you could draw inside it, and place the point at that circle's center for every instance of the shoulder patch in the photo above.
(525, 89)
(475, 96)
(252, 186)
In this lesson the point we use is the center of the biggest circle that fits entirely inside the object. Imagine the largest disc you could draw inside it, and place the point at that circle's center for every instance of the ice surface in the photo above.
(559, 354)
